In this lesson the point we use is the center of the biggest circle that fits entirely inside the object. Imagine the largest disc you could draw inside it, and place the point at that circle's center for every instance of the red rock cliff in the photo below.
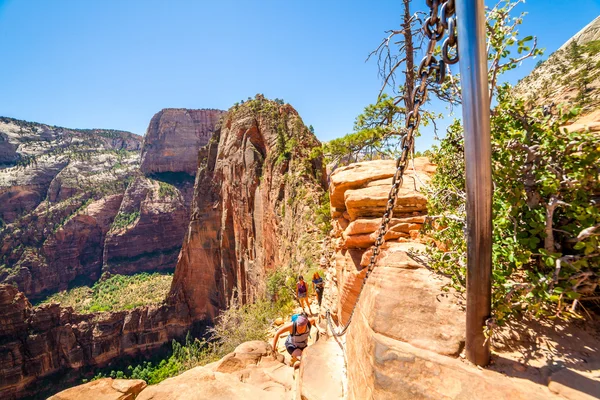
(253, 209)
(173, 138)
(38, 342)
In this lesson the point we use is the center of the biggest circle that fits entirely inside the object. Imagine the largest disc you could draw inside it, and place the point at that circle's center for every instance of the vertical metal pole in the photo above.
(470, 15)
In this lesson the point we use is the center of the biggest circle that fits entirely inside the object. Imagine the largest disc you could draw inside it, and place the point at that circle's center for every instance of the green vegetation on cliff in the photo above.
(234, 326)
(119, 292)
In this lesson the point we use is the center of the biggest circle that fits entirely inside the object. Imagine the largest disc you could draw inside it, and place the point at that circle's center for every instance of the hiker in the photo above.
(318, 286)
(302, 293)
(298, 338)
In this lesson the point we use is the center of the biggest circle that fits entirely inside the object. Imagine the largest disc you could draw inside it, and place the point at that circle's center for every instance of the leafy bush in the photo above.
(192, 353)
(281, 289)
(323, 216)
(546, 258)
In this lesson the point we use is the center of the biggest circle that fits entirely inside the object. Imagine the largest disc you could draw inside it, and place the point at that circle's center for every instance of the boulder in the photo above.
(250, 372)
(322, 372)
(103, 389)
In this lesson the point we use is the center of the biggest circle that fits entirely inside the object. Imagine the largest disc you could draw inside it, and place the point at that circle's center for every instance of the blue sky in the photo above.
(115, 63)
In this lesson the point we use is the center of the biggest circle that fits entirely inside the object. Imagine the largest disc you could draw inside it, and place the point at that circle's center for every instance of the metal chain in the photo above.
(434, 28)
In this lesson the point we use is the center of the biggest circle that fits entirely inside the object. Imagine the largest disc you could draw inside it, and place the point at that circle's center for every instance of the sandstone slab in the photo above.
(250, 372)
(370, 173)
(322, 372)
(392, 369)
(103, 389)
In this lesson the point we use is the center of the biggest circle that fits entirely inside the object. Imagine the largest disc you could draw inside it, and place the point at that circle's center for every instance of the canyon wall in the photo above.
(173, 138)
(38, 342)
(75, 203)
(260, 180)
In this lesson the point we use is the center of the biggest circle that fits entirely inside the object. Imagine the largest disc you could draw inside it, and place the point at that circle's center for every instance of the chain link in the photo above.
(434, 28)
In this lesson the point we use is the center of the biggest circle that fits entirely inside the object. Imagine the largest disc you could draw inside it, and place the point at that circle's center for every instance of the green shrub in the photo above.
(545, 185)
(166, 190)
(123, 220)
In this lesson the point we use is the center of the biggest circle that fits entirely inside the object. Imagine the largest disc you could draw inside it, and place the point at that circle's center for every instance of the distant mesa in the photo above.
(174, 137)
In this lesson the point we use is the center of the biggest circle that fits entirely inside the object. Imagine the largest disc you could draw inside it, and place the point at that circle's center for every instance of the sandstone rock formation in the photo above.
(38, 342)
(407, 334)
(68, 204)
(75, 205)
(250, 372)
(104, 389)
(358, 196)
(153, 240)
(173, 138)
(257, 189)
(32, 154)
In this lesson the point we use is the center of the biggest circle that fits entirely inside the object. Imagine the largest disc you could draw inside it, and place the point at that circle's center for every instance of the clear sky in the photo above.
(115, 63)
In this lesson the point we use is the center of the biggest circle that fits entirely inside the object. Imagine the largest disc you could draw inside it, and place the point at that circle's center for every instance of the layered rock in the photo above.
(69, 207)
(359, 194)
(152, 241)
(38, 342)
(408, 331)
(257, 189)
(173, 138)
(32, 155)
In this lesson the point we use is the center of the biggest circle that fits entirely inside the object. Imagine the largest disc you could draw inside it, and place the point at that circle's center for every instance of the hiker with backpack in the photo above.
(318, 286)
(302, 293)
(297, 341)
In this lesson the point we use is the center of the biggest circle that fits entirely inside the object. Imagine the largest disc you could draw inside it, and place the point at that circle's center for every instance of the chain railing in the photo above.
(440, 20)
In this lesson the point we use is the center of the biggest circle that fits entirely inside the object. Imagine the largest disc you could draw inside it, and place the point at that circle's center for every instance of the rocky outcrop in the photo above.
(258, 186)
(358, 194)
(250, 372)
(408, 331)
(173, 138)
(36, 343)
(104, 389)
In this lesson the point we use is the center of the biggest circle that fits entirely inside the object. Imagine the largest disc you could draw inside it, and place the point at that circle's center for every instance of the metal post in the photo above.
(470, 17)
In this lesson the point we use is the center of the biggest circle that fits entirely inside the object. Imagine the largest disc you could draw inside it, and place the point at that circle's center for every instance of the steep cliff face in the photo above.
(174, 137)
(37, 342)
(149, 228)
(32, 155)
(74, 204)
(258, 185)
